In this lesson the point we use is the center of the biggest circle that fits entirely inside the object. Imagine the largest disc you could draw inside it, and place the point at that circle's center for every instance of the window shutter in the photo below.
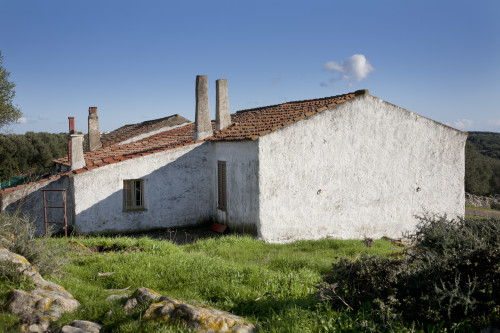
(221, 185)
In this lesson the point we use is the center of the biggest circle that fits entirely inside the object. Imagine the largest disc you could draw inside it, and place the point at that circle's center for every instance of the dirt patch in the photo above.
(181, 236)
(482, 213)
(113, 248)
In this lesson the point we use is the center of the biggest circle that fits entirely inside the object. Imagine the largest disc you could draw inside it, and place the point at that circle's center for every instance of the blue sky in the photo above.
(137, 60)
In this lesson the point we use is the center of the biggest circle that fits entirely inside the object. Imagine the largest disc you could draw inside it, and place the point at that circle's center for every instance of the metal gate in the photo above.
(45, 207)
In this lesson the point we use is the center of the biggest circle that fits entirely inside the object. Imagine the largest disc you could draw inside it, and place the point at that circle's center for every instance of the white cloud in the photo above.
(42, 117)
(494, 122)
(464, 124)
(22, 120)
(354, 68)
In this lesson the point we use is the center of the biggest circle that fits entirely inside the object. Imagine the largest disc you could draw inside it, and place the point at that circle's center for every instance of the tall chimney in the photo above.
(222, 116)
(71, 130)
(94, 136)
(77, 161)
(203, 125)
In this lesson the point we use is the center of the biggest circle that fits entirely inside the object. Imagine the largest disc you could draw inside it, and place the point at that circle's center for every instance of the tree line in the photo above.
(31, 153)
(482, 163)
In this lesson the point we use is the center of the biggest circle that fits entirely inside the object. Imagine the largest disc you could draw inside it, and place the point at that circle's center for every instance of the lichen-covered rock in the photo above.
(81, 326)
(198, 318)
(146, 295)
(38, 307)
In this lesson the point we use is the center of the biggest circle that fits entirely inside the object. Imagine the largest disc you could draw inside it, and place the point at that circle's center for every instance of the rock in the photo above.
(146, 295)
(81, 326)
(115, 297)
(198, 318)
(130, 305)
(39, 307)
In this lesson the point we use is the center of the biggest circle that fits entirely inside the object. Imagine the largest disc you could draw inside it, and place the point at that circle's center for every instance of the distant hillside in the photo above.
(482, 163)
(487, 143)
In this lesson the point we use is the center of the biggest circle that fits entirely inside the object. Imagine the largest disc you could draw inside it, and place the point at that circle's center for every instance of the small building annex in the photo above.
(347, 166)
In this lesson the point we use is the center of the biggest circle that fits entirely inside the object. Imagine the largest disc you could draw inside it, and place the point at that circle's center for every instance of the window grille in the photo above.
(133, 194)
(221, 185)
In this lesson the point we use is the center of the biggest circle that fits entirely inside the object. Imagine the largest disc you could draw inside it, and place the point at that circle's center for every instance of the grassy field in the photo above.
(229, 273)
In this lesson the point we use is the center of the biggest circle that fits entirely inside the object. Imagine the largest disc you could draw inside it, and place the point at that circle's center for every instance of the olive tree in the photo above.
(8, 112)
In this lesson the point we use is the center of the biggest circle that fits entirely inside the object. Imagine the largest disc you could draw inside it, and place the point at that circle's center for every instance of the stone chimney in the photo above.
(94, 136)
(71, 130)
(77, 161)
(222, 116)
(203, 125)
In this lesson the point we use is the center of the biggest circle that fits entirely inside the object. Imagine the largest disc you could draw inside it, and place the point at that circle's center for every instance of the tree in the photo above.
(8, 112)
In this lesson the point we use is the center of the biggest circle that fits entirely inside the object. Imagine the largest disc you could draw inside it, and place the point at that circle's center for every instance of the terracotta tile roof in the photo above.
(177, 137)
(247, 125)
(129, 131)
(252, 123)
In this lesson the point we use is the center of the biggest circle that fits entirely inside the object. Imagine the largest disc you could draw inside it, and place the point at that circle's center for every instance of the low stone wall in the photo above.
(480, 201)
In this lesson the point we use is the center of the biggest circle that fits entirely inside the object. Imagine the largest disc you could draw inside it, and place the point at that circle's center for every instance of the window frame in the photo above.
(132, 188)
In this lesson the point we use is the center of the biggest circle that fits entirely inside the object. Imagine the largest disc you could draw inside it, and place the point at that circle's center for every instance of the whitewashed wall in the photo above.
(363, 168)
(178, 192)
(28, 201)
(242, 169)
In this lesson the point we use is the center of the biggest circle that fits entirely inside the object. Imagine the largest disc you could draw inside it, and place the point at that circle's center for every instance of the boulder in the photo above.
(198, 318)
(81, 326)
(42, 305)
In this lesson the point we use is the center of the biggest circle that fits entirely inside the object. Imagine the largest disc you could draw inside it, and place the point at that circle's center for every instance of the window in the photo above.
(133, 194)
(221, 185)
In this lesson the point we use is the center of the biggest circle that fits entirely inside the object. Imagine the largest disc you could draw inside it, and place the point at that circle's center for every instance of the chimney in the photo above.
(77, 161)
(71, 130)
(94, 136)
(222, 116)
(203, 125)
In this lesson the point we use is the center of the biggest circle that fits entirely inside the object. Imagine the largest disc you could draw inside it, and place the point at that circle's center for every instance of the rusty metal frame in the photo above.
(55, 207)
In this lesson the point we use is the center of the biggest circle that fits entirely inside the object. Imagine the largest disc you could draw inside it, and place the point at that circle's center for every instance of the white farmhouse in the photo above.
(346, 166)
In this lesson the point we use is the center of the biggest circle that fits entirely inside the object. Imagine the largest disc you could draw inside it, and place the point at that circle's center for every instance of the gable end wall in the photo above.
(362, 168)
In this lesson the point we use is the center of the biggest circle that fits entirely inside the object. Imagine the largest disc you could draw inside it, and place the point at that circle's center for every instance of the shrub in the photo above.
(17, 235)
(495, 205)
(452, 273)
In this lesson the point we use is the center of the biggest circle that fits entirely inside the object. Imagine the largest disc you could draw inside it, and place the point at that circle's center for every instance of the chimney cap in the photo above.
(92, 109)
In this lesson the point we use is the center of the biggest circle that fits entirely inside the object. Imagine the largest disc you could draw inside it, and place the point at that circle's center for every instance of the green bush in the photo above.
(495, 205)
(17, 235)
(452, 273)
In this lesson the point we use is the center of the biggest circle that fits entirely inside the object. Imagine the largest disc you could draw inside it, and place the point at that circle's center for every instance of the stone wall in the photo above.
(480, 201)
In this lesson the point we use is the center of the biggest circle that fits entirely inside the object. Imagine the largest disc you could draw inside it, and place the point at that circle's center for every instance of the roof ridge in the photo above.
(357, 93)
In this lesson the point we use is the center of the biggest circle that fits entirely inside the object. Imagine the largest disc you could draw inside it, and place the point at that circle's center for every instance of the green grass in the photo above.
(229, 273)
(481, 208)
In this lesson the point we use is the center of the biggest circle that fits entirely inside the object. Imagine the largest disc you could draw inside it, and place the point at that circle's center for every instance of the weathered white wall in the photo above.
(178, 192)
(354, 171)
(242, 168)
(28, 201)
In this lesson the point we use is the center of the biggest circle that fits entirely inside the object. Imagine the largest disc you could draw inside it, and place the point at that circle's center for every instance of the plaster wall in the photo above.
(362, 168)
(178, 192)
(242, 168)
(28, 200)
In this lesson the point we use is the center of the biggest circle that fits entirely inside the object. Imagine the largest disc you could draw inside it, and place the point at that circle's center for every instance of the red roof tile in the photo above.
(247, 125)
(130, 131)
(252, 123)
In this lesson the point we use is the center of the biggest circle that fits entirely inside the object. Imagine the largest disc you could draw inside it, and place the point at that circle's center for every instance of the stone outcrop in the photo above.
(42, 305)
(198, 318)
(480, 201)
(81, 326)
